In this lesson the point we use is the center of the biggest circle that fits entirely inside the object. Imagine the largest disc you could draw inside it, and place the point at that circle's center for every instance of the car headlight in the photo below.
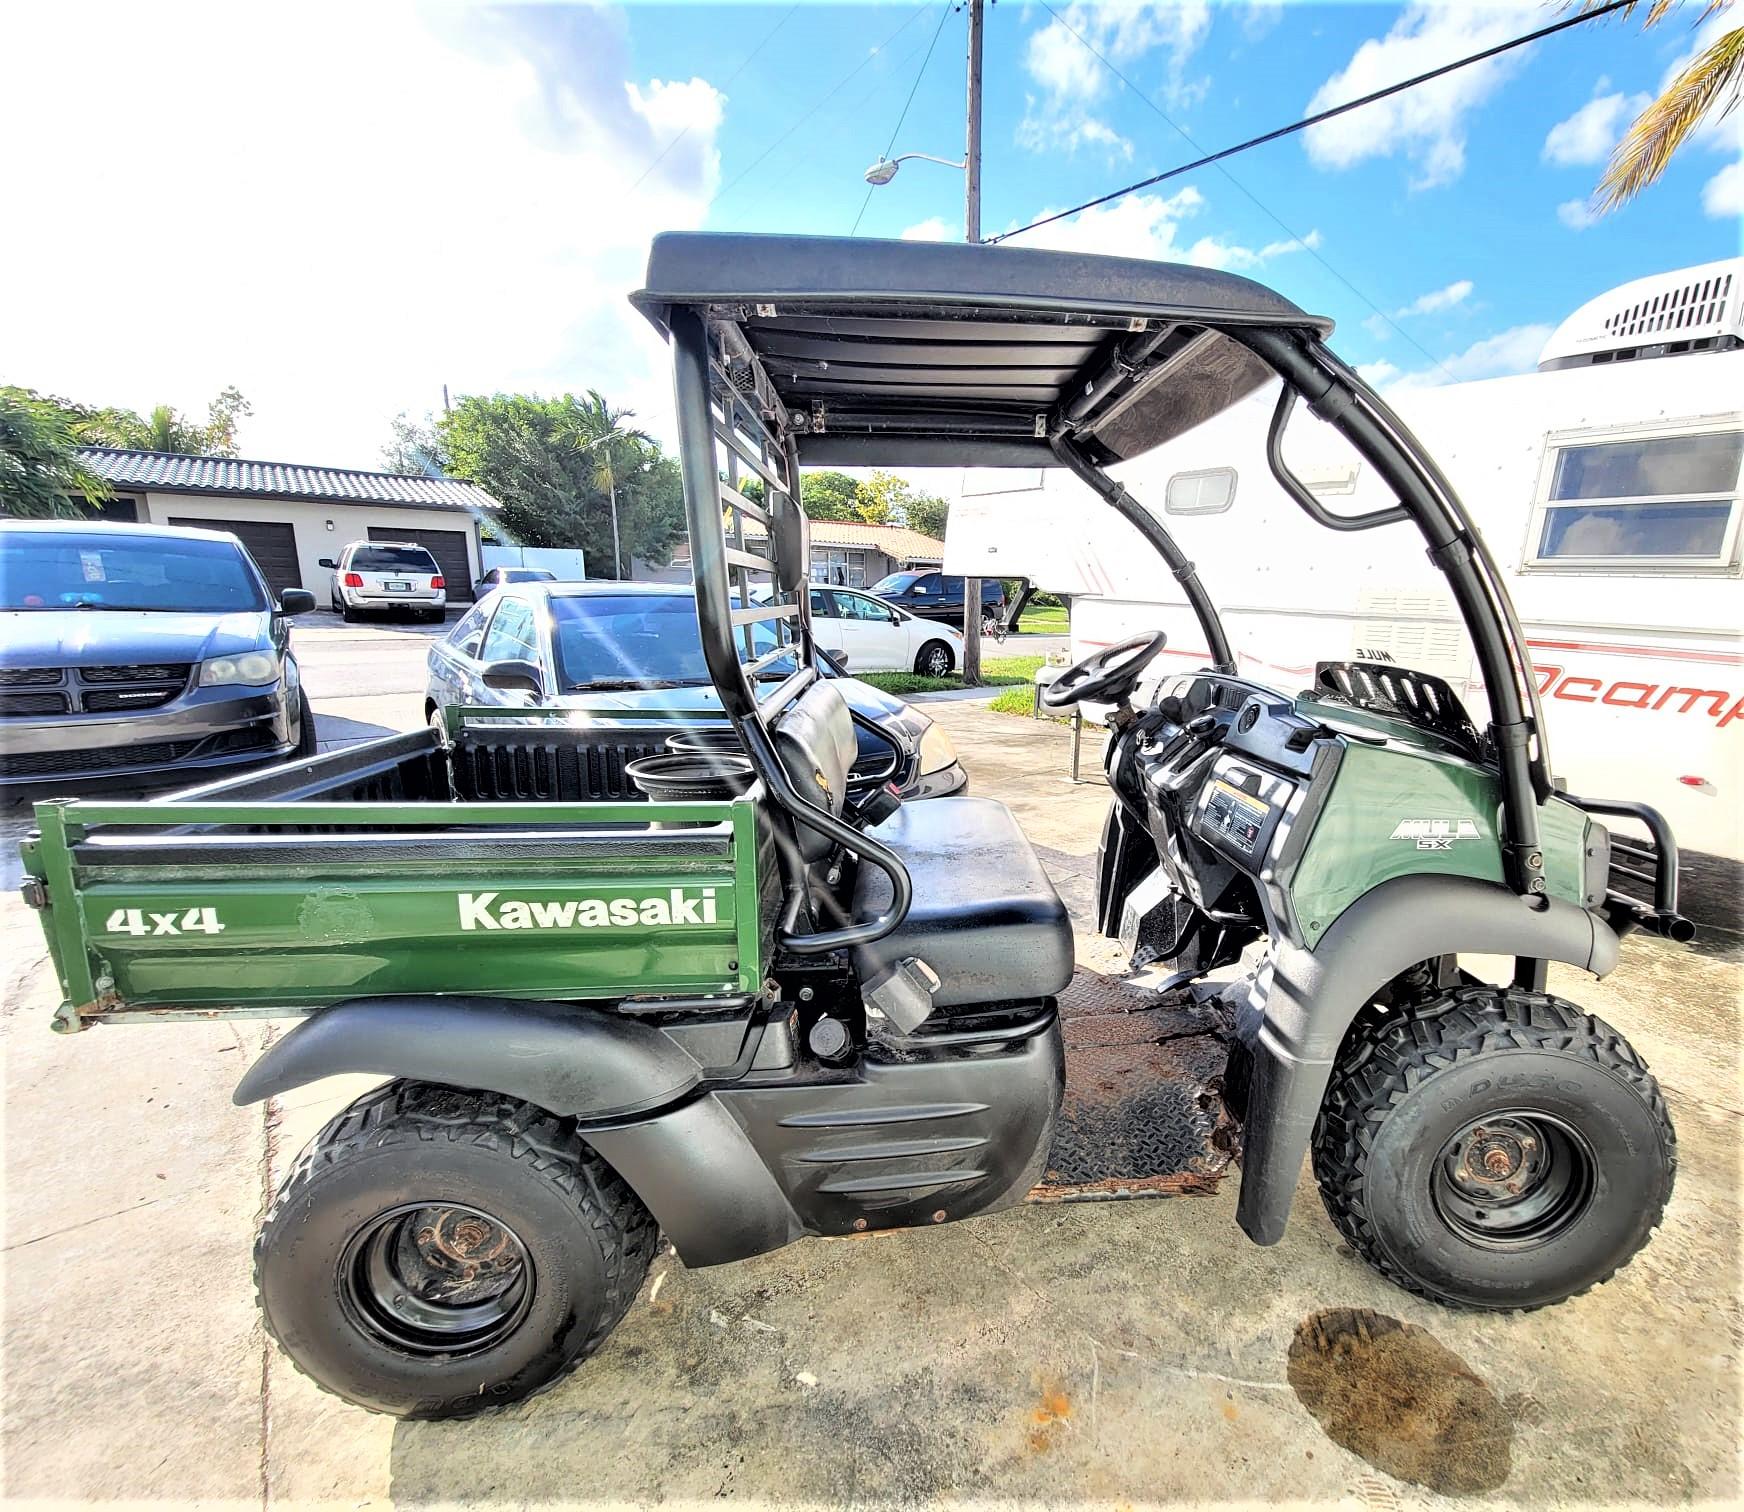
(937, 750)
(251, 668)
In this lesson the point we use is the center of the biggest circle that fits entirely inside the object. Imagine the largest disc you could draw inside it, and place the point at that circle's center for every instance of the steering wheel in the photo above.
(1108, 676)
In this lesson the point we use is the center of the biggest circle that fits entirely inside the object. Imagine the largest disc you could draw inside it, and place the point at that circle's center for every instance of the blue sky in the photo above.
(342, 209)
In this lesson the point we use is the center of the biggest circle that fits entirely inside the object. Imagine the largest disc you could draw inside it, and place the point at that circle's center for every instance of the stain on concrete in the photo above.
(1049, 1418)
(1396, 1396)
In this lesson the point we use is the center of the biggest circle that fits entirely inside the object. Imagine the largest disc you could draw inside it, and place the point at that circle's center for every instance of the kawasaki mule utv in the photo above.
(722, 994)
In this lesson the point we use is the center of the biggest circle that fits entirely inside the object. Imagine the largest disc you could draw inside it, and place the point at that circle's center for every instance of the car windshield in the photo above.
(107, 569)
(897, 582)
(393, 559)
(642, 640)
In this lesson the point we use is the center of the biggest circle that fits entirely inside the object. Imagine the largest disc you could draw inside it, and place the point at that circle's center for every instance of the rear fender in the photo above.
(1303, 1002)
(632, 1087)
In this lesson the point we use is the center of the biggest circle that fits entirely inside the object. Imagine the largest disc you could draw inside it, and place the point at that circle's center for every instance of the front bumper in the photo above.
(205, 728)
(944, 783)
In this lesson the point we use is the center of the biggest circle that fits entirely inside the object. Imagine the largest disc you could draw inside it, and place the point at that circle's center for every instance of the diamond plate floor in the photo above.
(1141, 1116)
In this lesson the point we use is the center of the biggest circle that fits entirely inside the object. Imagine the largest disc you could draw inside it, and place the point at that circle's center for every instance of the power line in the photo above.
(834, 90)
(1324, 115)
(768, 37)
(920, 73)
(1276, 219)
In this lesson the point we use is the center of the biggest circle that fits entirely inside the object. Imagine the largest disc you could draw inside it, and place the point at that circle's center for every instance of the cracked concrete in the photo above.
(1120, 1352)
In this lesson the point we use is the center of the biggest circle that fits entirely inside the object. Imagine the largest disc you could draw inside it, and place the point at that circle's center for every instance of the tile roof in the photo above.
(169, 472)
(893, 540)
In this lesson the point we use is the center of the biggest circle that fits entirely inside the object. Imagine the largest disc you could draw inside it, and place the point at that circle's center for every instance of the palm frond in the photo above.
(1641, 157)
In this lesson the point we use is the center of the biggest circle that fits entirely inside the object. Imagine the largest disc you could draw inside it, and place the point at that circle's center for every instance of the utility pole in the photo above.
(972, 234)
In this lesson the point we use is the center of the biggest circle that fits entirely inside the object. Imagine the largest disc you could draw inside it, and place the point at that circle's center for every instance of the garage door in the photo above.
(449, 549)
(273, 547)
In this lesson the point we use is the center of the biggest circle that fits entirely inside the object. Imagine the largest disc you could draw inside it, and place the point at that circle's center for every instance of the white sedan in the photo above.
(873, 636)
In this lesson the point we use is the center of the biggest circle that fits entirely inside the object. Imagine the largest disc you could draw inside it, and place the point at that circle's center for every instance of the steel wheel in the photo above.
(436, 1279)
(1514, 1180)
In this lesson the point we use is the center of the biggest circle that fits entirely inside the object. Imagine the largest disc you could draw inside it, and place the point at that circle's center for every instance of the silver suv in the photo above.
(386, 575)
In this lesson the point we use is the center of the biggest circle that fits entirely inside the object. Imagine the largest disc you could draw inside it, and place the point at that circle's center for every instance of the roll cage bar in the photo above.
(848, 351)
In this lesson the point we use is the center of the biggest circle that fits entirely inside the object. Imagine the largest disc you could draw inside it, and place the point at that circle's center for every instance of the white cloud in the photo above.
(1723, 194)
(1072, 80)
(1577, 214)
(405, 198)
(1380, 374)
(1150, 226)
(1591, 132)
(1378, 326)
(1515, 350)
(1426, 124)
(1438, 299)
(934, 228)
(1258, 17)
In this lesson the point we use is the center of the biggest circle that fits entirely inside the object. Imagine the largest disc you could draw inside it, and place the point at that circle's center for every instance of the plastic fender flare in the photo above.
(1309, 999)
(684, 1155)
(572, 1061)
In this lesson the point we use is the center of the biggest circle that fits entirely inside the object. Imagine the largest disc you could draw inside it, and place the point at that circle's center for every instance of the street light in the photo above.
(884, 170)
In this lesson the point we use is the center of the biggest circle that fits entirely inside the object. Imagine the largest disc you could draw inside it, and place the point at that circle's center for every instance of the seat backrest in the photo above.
(814, 738)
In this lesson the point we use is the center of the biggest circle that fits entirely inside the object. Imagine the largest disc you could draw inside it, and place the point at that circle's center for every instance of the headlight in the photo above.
(937, 751)
(252, 668)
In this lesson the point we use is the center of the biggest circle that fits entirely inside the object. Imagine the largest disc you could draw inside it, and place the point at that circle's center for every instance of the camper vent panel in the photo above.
(1412, 628)
(1701, 302)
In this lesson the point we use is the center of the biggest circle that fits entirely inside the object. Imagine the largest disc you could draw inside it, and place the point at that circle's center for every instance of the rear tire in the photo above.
(1493, 1149)
(435, 1253)
(935, 660)
(347, 613)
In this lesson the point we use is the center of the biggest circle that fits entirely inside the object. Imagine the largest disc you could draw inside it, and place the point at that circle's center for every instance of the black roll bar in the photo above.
(717, 620)
(1297, 490)
(1338, 396)
(1153, 530)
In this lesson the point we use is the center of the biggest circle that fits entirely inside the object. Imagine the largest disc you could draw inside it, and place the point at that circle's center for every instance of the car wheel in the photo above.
(935, 660)
(437, 1252)
(308, 743)
(348, 614)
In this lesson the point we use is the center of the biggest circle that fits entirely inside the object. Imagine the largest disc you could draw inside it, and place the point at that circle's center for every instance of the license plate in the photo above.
(399, 587)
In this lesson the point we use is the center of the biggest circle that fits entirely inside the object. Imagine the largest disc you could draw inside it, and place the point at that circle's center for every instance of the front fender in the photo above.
(1308, 999)
(569, 1060)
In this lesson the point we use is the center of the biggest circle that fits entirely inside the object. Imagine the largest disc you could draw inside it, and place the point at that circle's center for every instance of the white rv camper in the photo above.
(1606, 484)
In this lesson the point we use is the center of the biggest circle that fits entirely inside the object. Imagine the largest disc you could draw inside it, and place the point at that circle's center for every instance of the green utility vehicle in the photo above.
(720, 993)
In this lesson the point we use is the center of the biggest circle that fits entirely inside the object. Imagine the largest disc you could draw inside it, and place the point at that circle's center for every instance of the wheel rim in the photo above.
(436, 1279)
(1515, 1180)
(937, 663)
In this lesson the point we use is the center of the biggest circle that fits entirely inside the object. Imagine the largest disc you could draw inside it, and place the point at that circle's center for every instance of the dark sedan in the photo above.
(133, 650)
(615, 651)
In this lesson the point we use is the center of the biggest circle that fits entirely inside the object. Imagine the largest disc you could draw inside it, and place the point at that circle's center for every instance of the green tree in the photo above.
(553, 464)
(1710, 84)
(928, 514)
(41, 476)
(166, 429)
(829, 495)
(415, 448)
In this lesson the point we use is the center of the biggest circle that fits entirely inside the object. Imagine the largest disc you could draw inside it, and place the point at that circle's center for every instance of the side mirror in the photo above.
(325, 562)
(296, 601)
(515, 677)
(840, 658)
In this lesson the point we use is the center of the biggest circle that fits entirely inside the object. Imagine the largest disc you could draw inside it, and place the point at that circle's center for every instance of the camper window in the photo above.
(1665, 501)
(1209, 492)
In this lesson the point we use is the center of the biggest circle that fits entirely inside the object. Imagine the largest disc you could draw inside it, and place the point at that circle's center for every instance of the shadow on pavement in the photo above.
(334, 730)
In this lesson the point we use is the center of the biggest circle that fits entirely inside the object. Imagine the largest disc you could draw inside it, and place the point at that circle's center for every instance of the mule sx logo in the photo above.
(1436, 834)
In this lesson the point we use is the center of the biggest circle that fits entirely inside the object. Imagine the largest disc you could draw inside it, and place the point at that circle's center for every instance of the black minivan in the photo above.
(932, 595)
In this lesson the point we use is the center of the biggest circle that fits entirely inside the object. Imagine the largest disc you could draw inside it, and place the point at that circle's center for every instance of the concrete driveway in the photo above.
(1112, 1353)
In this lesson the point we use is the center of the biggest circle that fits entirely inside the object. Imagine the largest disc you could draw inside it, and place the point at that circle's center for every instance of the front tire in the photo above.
(1493, 1149)
(308, 741)
(935, 660)
(435, 1253)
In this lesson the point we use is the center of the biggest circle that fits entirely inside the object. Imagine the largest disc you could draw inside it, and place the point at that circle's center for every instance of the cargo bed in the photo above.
(483, 860)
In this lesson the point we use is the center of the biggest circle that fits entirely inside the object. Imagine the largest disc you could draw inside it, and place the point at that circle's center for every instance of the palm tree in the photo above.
(593, 426)
(1710, 81)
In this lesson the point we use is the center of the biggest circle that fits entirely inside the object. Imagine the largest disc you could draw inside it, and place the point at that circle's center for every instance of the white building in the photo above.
(290, 516)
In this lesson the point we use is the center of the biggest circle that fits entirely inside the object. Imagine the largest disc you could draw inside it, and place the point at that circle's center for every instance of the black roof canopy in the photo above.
(937, 352)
